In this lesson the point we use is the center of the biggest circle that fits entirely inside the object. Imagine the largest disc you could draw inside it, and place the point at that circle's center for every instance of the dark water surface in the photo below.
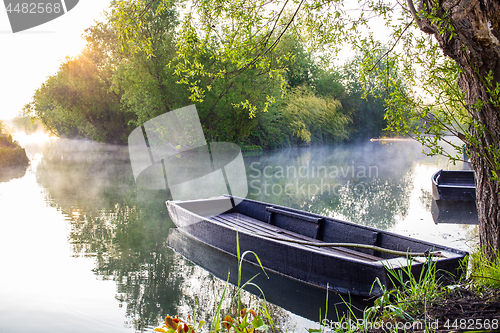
(84, 250)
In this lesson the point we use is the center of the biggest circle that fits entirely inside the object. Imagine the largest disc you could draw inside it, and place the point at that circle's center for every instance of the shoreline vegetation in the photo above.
(418, 304)
(109, 90)
(13, 158)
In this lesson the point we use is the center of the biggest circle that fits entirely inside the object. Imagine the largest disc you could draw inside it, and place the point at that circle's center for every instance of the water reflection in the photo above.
(455, 212)
(9, 173)
(304, 300)
(124, 229)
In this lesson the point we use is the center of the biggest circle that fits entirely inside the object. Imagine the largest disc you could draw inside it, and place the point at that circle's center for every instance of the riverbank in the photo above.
(424, 305)
(13, 158)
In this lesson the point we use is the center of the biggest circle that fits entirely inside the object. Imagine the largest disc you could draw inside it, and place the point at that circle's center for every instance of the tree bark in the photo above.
(476, 48)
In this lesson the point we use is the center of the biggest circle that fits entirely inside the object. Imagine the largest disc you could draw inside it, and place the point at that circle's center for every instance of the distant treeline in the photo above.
(110, 89)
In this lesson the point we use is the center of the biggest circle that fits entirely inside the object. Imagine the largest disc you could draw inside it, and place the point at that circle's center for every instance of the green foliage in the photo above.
(251, 148)
(219, 41)
(413, 293)
(443, 113)
(407, 302)
(78, 100)
(252, 86)
(146, 80)
(229, 111)
(313, 118)
(485, 272)
(11, 157)
(235, 74)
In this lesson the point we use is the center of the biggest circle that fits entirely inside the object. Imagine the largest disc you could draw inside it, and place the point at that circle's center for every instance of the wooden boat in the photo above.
(454, 185)
(298, 244)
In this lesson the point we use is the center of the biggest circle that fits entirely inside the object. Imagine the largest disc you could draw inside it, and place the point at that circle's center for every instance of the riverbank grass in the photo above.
(483, 271)
(425, 304)
(239, 319)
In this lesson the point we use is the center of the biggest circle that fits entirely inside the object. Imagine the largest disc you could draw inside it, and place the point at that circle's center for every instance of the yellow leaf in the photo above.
(160, 330)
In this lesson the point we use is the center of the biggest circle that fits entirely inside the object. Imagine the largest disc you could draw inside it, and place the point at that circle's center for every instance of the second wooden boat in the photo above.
(454, 185)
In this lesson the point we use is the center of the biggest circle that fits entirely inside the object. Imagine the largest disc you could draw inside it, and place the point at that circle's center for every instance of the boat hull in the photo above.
(249, 224)
(454, 212)
(292, 295)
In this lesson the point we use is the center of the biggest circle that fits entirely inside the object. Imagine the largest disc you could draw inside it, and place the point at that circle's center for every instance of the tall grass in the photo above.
(399, 308)
(485, 272)
(253, 318)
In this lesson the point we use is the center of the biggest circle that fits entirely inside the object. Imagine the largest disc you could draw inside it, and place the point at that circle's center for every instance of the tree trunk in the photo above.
(476, 48)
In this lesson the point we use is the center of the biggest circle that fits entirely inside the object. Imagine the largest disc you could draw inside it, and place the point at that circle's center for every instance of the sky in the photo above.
(28, 57)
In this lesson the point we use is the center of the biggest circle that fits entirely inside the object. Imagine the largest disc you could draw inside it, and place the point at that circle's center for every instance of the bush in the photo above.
(251, 148)
(13, 157)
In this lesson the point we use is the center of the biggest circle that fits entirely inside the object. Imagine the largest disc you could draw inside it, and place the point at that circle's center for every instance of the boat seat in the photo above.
(248, 224)
(313, 227)
(299, 223)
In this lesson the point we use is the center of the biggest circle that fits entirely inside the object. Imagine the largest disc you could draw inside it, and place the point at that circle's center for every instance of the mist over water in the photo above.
(85, 248)
(365, 183)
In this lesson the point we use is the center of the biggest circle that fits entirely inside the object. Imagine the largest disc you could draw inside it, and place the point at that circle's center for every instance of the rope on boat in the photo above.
(361, 246)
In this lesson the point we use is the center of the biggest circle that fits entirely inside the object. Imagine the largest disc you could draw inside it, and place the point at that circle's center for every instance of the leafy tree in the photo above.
(364, 101)
(299, 64)
(457, 68)
(150, 73)
(78, 101)
(313, 118)
(157, 77)
(147, 81)
(365, 107)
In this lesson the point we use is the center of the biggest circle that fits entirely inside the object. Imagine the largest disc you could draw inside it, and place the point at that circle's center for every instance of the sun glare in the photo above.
(72, 47)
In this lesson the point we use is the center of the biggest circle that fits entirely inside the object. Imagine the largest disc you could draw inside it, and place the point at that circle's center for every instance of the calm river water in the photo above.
(84, 250)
